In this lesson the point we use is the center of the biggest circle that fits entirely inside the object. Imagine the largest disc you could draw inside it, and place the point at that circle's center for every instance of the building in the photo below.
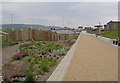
(112, 25)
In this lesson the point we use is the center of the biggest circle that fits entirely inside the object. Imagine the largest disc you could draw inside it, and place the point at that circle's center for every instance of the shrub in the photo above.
(40, 71)
(36, 60)
(44, 65)
(47, 63)
(59, 52)
(29, 59)
(51, 47)
(52, 62)
(30, 66)
(29, 78)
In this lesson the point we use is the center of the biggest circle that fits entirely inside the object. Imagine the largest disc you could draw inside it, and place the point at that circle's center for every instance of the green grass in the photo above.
(111, 34)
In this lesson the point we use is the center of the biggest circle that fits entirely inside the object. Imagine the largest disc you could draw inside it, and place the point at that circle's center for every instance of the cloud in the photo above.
(60, 0)
(52, 13)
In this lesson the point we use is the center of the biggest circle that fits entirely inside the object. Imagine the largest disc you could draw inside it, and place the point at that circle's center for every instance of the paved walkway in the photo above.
(93, 60)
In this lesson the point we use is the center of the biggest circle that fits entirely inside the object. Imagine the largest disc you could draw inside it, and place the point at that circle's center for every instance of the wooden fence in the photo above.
(34, 34)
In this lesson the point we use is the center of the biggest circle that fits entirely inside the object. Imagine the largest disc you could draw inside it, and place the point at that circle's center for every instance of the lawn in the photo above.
(111, 34)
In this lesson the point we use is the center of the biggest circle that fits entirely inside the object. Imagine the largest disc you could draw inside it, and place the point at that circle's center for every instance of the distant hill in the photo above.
(25, 26)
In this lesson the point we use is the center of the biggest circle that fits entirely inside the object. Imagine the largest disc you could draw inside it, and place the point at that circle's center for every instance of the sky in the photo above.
(71, 14)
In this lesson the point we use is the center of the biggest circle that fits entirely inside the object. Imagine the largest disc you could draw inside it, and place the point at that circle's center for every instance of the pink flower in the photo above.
(10, 78)
(19, 54)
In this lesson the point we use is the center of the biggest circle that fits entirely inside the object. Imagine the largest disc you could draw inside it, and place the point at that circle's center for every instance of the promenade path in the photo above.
(93, 60)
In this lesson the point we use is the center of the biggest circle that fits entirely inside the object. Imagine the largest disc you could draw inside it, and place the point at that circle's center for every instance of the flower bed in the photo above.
(40, 58)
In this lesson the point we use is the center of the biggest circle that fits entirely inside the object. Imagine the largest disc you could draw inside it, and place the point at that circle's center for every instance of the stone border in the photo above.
(60, 71)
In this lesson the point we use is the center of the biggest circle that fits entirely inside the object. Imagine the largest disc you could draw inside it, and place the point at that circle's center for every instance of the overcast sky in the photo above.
(71, 14)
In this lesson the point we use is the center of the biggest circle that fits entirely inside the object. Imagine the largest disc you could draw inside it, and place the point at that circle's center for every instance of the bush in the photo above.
(59, 52)
(29, 78)
(35, 60)
(29, 59)
(51, 47)
(45, 65)
(40, 71)
(52, 62)
(30, 67)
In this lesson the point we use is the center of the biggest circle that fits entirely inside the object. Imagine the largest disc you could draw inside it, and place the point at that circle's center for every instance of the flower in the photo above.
(10, 79)
(19, 54)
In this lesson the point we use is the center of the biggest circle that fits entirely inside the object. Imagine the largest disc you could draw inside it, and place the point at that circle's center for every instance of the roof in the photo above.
(114, 22)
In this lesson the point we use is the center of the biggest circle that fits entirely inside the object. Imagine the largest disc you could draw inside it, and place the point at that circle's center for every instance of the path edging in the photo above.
(60, 71)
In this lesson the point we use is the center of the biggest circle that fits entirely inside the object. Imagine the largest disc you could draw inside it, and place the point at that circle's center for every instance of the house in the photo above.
(112, 25)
